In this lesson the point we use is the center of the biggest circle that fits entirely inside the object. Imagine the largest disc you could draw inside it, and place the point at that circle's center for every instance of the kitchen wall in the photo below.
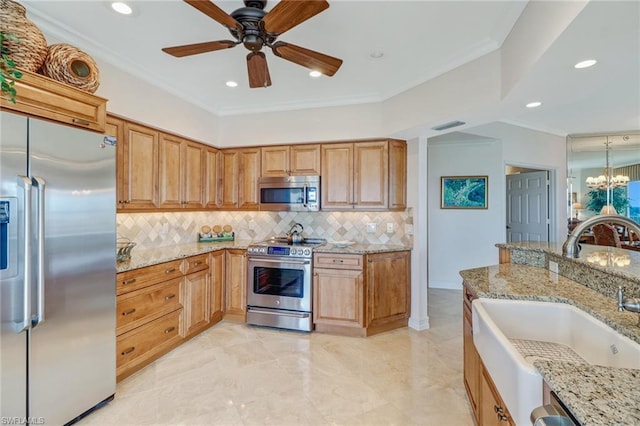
(162, 229)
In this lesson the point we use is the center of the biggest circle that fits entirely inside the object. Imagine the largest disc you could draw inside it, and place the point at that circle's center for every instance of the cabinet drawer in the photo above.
(141, 306)
(43, 97)
(338, 261)
(196, 263)
(144, 277)
(148, 339)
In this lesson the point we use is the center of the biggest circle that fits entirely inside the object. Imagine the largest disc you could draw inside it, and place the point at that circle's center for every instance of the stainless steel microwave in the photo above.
(290, 193)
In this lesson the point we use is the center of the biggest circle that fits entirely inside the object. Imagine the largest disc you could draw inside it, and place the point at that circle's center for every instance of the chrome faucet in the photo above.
(571, 248)
(631, 305)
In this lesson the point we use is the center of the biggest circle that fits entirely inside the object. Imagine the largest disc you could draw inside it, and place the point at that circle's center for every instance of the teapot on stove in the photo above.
(294, 236)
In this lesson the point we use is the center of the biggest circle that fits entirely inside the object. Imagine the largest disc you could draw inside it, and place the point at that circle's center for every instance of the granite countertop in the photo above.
(152, 256)
(614, 392)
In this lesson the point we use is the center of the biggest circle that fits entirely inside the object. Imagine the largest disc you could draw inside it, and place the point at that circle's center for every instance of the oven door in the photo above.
(279, 283)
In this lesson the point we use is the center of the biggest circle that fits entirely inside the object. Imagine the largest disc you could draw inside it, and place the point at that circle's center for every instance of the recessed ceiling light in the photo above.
(231, 83)
(315, 74)
(121, 7)
(534, 104)
(376, 54)
(585, 64)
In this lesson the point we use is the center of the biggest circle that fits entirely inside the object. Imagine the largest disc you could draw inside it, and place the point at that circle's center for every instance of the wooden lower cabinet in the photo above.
(159, 307)
(361, 295)
(235, 286)
(486, 404)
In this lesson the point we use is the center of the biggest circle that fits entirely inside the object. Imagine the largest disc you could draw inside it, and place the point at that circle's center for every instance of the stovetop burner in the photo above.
(280, 246)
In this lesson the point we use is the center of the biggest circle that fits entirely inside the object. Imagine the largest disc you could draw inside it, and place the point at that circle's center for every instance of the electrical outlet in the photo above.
(408, 228)
(165, 228)
(390, 228)
(371, 228)
(252, 224)
(553, 266)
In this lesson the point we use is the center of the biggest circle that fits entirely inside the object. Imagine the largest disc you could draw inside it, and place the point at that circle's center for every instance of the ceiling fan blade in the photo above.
(214, 12)
(194, 49)
(258, 70)
(289, 13)
(327, 65)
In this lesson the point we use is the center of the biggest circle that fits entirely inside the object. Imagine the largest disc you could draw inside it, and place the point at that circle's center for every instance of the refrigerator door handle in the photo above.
(25, 183)
(40, 185)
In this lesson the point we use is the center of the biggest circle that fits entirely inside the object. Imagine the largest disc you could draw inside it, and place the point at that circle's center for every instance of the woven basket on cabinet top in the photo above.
(71, 65)
(30, 48)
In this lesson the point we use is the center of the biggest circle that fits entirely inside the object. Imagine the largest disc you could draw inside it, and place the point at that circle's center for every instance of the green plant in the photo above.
(8, 72)
(598, 199)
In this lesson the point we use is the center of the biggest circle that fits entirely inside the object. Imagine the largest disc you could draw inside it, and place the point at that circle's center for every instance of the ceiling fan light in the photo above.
(533, 104)
(121, 7)
(315, 74)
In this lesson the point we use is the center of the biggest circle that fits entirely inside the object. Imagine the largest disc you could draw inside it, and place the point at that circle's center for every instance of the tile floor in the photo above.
(234, 374)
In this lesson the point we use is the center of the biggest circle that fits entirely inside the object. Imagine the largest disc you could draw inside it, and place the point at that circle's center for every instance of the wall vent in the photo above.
(448, 125)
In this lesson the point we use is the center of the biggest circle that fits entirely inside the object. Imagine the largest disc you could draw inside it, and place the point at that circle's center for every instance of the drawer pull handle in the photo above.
(169, 330)
(169, 297)
(198, 263)
(498, 410)
(128, 350)
(81, 121)
(127, 282)
(170, 270)
(129, 312)
(502, 417)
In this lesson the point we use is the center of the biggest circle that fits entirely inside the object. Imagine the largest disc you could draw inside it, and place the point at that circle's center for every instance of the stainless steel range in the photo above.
(279, 283)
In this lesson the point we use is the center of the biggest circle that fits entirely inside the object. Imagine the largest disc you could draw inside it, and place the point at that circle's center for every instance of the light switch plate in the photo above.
(390, 228)
(553, 266)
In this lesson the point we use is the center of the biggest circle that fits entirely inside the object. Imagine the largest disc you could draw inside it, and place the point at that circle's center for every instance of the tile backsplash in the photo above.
(162, 229)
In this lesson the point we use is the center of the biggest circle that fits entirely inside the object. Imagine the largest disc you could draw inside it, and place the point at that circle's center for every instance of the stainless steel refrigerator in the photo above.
(57, 271)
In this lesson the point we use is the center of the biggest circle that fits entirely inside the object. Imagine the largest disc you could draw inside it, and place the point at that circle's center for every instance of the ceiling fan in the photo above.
(255, 28)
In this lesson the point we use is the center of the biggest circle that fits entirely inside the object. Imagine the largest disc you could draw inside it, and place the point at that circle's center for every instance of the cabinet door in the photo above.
(388, 289)
(193, 175)
(337, 176)
(115, 128)
(493, 412)
(471, 363)
(229, 178)
(371, 171)
(235, 303)
(140, 167)
(216, 271)
(397, 175)
(304, 160)
(275, 161)
(196, 311)
(338, 297)
(212, 172)
(249, 174)
(171, 169)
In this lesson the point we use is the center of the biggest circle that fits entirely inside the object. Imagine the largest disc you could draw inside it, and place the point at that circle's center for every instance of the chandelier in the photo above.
(607, 181)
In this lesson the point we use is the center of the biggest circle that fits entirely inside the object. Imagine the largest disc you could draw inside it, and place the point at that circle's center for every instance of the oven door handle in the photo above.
(280, 313)
(296, 262)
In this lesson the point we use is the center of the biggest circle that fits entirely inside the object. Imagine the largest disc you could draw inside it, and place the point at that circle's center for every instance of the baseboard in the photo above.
(419, 324)
(445, 284)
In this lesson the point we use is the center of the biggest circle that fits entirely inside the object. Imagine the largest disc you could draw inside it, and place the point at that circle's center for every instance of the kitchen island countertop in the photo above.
(615, 395)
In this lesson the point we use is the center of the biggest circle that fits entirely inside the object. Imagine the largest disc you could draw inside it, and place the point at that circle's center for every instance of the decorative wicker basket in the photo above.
(30, 48)
(71, 65)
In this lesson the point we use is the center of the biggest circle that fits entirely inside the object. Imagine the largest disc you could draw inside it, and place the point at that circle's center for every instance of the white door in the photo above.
(528, 207)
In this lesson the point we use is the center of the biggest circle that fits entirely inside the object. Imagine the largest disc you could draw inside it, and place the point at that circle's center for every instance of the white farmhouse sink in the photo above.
(511, 334)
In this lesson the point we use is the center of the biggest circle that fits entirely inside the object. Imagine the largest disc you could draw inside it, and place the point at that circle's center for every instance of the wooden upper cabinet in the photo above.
(212, 174)
(364, 175)
(291, 160)
(239, 174)
(397, 175)
(140, 167)
(40, 96)
(371, 171)
(337, 176)
(229, 167)
(114, 127)
(182, 167)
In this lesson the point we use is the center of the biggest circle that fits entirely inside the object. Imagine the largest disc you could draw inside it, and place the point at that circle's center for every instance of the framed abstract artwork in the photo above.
(464, 192)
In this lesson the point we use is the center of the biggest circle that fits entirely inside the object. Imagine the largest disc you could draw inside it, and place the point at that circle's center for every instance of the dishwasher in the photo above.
(553, 414)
